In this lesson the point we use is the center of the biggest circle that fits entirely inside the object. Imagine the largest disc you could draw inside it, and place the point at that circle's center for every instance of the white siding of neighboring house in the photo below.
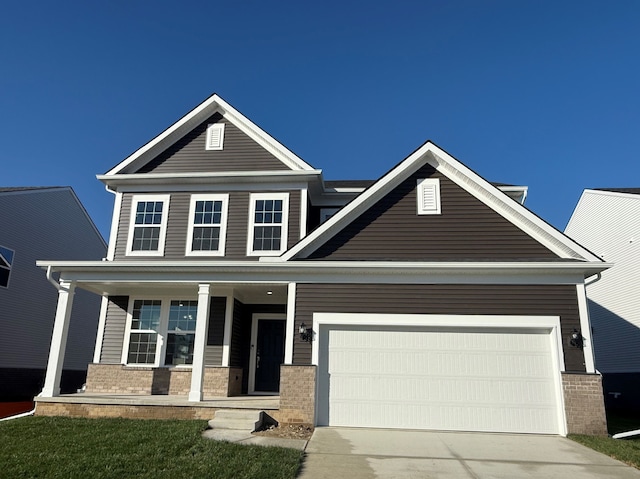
(608, 224)
(44, 224)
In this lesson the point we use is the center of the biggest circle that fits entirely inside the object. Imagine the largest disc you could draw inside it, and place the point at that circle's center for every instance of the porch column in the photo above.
(59, 340)
(202, 326)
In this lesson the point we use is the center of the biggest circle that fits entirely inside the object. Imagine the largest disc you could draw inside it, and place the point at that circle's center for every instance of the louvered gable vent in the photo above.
(428, 196)
(215, 136)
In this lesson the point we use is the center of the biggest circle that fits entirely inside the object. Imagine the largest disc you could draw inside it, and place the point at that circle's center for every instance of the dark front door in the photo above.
(269, 354)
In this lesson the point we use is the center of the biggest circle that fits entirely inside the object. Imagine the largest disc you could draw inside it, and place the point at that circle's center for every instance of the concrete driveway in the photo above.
(374, 453)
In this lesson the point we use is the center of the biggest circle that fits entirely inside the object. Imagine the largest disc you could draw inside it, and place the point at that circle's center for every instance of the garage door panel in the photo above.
(483, 381)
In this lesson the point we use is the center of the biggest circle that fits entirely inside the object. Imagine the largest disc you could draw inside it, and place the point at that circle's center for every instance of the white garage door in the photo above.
(460, 379)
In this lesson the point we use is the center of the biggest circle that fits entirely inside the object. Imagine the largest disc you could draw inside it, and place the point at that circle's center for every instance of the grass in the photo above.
(55, 447)
(625, 450)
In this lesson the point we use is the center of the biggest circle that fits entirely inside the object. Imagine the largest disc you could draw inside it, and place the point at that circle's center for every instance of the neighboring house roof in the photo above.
(464, 177)
(631, 191)
(213, 104)
(13, 189)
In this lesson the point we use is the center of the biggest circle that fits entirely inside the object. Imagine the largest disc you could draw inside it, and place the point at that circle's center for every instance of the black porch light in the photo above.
(306, 334)
(576, 340)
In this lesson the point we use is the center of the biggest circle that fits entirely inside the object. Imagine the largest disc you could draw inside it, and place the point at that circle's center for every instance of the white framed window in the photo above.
(160, 332)
(428, 193)
(215, 136)
(148, 225)
(6, 263)
(268, 218)
(207, 229)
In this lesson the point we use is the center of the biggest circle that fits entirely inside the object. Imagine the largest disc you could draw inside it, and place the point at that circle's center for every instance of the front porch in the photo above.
(133, 406)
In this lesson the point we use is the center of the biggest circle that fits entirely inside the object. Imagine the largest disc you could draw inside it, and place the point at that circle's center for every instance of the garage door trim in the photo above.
(322, 323)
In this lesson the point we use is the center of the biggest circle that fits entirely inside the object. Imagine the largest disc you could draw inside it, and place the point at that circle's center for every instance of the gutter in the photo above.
(623, 435)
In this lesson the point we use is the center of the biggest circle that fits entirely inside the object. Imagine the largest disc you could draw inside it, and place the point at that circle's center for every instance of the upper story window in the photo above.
(207, 225)
(6, 262)
(148, 225)
(428, 193)
(268, 217)
(215, 136)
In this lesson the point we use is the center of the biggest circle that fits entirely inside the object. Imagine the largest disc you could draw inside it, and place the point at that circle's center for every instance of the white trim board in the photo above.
(477, 186)
(322, 322)
(199, 114)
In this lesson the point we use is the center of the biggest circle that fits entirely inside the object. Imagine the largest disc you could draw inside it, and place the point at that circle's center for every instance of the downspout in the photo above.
(18, 416)
(51, 280)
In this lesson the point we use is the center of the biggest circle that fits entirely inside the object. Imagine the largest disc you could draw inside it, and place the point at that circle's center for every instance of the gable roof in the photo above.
(200, 113)
(464, 177)
(630, 191)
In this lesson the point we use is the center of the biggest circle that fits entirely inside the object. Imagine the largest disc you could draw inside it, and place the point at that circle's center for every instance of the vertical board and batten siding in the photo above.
(608, 224)
(45, 225)
(460, 299)
(467, 229)
(215, 333)
(114, 328)
(178, 220)
(188, 155)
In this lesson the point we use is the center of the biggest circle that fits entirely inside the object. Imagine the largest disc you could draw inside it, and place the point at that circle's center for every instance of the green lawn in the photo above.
(54, 447)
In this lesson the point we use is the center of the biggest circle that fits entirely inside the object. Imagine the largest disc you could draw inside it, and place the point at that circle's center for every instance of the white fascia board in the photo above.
(200, 113)
(173, 272)
(366, 199)
(119, 182)
(517, 214)
(477, 186)
(261, 137)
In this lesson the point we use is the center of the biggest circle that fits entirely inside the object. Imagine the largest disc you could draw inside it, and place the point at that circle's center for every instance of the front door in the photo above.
(269, 354)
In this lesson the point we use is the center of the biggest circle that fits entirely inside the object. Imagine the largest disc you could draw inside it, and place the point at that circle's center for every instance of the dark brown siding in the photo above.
(114, 327)
(534, 300)
(176, 239)
(215, 333)
(466, 229)
(188, 155)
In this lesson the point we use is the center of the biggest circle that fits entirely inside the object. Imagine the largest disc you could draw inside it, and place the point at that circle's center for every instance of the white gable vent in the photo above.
(429, 196)
(215, 136)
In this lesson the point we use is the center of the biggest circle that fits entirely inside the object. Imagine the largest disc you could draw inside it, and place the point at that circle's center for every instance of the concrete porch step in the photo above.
(239, 419)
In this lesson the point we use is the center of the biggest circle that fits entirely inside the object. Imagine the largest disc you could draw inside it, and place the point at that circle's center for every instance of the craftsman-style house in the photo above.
(428, 299)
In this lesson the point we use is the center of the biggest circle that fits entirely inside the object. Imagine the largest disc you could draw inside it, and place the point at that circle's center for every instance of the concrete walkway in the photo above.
(248, 439)
(384, 453)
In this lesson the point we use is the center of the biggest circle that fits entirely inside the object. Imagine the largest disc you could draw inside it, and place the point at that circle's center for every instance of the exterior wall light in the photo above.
(306, 334)
(576, 340)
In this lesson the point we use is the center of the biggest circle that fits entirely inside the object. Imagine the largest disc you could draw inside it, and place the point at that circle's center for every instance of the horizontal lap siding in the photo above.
(114, 327)
(532, 300)
(215, 333)
(466, 229)
(178, 221)
(188, 155)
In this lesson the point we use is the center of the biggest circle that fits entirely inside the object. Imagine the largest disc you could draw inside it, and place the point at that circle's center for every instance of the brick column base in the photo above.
(584, 404)
(297, 395)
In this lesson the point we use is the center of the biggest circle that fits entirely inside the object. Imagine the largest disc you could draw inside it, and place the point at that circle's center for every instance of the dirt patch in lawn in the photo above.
(290, 431)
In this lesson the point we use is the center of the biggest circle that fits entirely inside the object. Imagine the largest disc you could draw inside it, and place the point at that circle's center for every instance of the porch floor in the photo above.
(234, 402)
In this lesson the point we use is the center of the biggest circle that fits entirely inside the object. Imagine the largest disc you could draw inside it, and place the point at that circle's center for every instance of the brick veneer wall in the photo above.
(297, 395)
(125, 411)
(118, 379)
(584, 403)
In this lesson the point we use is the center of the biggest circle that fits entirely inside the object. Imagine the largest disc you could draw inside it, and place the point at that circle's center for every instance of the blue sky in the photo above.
(542, 93)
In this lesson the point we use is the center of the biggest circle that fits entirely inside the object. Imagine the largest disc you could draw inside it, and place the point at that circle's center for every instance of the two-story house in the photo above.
(429, 298)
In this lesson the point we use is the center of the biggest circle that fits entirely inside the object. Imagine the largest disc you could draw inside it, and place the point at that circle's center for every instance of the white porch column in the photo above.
(58, 340)
(290, 332)
(202, 326)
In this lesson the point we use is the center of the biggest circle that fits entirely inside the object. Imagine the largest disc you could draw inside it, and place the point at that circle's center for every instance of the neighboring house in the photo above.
(37, 222)
(607, 221)
(429, 299)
